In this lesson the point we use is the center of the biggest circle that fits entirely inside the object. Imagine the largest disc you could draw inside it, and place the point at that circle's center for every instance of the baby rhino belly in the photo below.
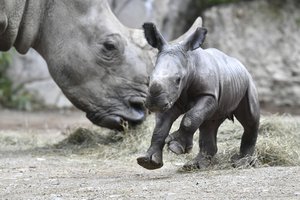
(233, 82)
(232, 92)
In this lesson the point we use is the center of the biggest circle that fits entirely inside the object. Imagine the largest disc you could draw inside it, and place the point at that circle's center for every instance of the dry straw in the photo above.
(278, 142)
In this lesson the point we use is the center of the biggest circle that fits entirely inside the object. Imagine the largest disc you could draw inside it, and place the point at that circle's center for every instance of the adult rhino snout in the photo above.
(133, 115)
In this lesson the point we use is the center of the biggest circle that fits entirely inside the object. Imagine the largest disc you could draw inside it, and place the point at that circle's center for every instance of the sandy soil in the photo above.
(31, 168)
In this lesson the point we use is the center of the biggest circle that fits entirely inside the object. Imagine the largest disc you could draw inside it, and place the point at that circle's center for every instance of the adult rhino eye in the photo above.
(109, 46)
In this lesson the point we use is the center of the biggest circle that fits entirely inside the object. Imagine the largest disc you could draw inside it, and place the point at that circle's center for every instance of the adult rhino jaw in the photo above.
(119, 120)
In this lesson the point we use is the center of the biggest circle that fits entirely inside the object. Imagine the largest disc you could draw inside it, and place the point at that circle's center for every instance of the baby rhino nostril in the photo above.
(166, 106)
(155, 89)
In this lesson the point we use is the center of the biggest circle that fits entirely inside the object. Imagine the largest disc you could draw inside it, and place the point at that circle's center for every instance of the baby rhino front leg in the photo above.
(153, 159)
(181, 141)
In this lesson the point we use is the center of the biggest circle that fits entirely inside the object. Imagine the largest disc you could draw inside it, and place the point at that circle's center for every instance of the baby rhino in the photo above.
(207, 86)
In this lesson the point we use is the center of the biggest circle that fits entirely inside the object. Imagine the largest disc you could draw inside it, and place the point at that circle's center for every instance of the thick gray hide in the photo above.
(207, 86)
(99, 64)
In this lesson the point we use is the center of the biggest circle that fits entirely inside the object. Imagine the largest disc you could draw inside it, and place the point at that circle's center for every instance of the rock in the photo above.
(167, 14)
(31, 71)
(263, 35)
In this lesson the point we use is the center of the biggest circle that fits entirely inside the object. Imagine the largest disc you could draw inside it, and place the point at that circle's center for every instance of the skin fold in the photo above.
(207, 86)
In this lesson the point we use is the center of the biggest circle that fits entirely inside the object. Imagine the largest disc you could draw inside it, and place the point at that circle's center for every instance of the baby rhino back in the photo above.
(233, 80)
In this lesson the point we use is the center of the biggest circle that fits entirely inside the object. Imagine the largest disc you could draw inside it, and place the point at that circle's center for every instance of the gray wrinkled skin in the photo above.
(100, 65)
(207, 86)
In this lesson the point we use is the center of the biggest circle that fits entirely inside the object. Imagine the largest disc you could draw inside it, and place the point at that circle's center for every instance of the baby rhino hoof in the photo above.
(176, 148)
(197, 163)
(243, 162)
(151, 161)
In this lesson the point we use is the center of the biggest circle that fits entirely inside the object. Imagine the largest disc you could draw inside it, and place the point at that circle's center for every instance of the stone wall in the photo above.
(167, 14)
(31, 71)
(264, 35)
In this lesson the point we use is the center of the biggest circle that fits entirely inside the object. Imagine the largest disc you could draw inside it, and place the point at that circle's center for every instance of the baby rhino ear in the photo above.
(195, 40)
(153, 36)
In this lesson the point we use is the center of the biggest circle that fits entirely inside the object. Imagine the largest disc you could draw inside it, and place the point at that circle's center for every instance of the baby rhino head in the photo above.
(171, 71)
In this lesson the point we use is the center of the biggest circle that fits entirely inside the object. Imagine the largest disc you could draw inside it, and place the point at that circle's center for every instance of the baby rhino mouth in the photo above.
(158, 98)
(158, 104)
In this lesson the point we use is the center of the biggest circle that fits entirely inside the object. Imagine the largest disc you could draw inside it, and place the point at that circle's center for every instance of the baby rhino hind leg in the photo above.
(248, 114)
(207, 144)
(181, 141)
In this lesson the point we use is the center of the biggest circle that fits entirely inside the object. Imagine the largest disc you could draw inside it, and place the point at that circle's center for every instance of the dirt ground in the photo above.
(31, 168)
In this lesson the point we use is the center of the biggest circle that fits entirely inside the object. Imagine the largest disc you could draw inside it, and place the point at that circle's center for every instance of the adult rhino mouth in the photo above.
(114, 121)
(119, 120)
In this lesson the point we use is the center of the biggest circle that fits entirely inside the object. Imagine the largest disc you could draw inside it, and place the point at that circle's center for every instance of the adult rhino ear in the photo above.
(153, 36)
(195, 40)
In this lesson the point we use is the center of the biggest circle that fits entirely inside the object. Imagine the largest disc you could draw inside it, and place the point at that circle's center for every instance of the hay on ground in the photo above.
(278, 142)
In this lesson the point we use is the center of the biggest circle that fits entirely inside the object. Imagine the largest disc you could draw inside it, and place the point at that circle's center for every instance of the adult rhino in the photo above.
(99, 64)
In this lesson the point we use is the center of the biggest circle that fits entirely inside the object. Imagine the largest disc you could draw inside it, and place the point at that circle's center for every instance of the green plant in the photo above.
(5, 83)
(12, 96)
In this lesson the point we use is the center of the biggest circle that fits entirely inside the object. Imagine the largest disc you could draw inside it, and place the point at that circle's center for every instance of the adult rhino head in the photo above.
(100, 65)
(96, 61)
